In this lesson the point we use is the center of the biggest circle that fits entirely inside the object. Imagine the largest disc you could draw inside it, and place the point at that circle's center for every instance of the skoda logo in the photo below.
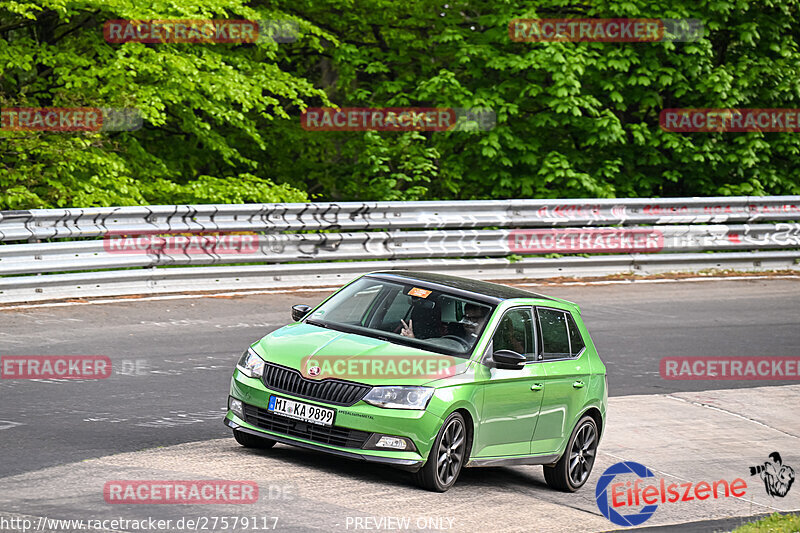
(601, 494)
(313, 371)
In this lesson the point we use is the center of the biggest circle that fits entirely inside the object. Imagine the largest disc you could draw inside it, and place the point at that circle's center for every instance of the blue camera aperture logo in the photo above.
(601, 494)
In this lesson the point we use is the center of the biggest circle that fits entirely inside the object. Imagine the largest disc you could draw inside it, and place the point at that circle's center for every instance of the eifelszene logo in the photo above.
(777, 477)
(634, 493)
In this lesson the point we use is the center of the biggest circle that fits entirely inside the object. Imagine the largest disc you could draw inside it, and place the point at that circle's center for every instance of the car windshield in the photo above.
(407, 314)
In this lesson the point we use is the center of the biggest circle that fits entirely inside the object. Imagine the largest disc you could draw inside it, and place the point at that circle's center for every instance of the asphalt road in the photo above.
(682, 439)
(172, 359)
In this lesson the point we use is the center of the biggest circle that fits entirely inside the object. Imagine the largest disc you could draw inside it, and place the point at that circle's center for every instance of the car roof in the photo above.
(478, 290)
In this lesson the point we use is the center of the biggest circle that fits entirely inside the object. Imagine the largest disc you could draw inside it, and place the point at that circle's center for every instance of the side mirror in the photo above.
(299, 311)
(508, 359)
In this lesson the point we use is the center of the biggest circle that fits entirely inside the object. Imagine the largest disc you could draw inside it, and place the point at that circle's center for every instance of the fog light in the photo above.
(379, 441)
(236, 406)
(396, 443)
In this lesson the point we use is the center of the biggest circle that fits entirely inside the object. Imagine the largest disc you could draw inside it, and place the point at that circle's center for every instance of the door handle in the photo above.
(578, 384)
(537, 386)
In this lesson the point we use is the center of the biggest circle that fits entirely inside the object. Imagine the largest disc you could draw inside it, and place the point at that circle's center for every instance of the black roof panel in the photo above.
(494, 291)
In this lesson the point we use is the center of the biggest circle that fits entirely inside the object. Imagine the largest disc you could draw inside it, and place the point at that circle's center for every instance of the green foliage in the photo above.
(775, 523)
(202, 106)
(222, 121)
(574, 119)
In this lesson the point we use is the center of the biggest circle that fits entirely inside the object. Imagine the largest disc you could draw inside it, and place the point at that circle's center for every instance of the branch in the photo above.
(16, 26)
(77, 27)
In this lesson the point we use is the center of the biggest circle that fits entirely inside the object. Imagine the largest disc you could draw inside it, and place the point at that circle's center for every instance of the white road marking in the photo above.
(4, 339)
(322, 288)
(243, 325)
(183, 322)
(183, 418)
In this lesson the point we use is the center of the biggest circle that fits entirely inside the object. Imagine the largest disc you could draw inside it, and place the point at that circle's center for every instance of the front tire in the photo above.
(572, 470)
(447, 456)
(249, 440)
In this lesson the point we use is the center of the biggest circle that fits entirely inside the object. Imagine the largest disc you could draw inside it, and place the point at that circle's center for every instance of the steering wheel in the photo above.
(461, 341)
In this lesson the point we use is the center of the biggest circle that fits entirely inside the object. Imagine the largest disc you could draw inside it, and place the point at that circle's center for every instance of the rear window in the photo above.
(555, 340)
(561, 337)
(575, 339)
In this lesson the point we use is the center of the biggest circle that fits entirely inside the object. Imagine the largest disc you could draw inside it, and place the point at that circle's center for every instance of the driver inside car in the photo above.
(474, 318)
(470, 325)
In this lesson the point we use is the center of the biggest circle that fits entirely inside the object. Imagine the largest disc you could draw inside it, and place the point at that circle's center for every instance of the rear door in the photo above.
(566, 378)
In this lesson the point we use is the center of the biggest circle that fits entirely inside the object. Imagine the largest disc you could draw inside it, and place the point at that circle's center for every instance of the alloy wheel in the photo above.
(450, 454)
(582, 454)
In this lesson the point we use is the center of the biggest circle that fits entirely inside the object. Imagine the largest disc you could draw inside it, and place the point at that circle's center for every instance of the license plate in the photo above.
(301, 411)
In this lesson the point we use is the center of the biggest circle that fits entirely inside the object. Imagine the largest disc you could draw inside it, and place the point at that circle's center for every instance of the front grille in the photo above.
(335, 436)
(333, 391)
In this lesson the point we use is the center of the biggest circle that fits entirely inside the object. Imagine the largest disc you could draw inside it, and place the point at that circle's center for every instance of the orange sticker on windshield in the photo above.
(416, 291)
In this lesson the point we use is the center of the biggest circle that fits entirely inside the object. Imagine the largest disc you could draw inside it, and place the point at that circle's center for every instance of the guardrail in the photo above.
(643, 235)
(352, 216)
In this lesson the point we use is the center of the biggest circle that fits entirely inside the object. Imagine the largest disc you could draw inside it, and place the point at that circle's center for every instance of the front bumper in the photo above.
(411, 465)
(352, 427)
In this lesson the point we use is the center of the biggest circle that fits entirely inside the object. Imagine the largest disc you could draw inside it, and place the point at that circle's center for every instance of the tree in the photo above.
(201, 104)
(575, 119)
(222, 122)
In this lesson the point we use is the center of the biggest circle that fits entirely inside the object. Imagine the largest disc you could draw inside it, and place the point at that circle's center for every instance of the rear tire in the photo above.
(248, 440)
(447, 456)
(572, 471)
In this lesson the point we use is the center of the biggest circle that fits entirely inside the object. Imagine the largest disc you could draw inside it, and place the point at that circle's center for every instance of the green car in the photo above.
(429, 373)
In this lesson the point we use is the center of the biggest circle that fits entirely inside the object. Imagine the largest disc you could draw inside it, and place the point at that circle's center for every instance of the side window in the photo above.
(555, 338)
(575, 339)
(515, 332)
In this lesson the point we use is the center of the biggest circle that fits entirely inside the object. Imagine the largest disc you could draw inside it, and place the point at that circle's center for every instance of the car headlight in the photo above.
(250, 364)
(400, 397)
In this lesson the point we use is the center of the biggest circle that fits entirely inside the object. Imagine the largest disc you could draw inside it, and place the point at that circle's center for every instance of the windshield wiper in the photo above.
(317, 323)
(344, 328)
